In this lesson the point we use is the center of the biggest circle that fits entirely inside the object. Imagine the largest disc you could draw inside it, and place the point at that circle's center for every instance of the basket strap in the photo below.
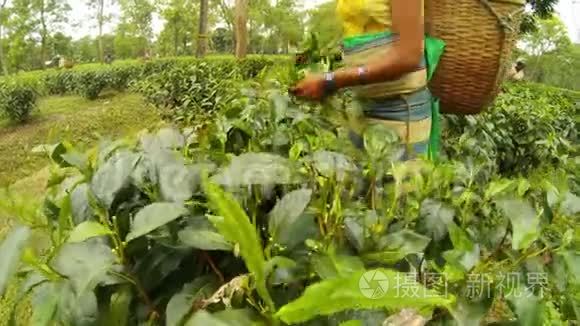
(502, 21)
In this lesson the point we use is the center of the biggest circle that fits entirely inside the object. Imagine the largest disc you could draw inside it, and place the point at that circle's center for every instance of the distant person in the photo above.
(109, 59)
(62, 62)
(517, 71)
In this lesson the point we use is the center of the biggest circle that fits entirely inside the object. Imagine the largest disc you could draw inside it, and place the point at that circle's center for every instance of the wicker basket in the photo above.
(480, 35)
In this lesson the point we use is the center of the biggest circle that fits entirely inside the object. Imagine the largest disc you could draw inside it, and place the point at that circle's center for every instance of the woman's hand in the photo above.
(311, 87)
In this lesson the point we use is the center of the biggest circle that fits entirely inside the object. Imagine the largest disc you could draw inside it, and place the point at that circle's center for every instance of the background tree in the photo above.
(48, 15)
(551, 57)
(285, 24)
(86, 49)
(180, 29)
(241, 28)
(101, 17)
(222, 40)
(59, 43)
(3, 19)
(135, 31)
(541, 9)
(21, 54)
(202, 38)
(324, 21)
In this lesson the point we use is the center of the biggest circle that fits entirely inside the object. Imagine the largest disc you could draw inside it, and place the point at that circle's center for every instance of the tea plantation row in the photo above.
(19, 94)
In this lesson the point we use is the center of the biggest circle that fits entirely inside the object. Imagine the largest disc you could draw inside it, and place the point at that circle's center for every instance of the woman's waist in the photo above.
(415, 105)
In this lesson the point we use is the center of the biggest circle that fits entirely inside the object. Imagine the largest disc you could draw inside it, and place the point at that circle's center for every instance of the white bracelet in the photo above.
(362, 72)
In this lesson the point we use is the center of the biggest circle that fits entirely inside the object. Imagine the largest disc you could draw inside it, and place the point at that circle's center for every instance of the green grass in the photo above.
(72, 118)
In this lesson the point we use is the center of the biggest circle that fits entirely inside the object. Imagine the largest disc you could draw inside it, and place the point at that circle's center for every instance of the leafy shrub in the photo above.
(91, 83)
(59, 82)
(17, 100)
(91, 79)
(123, 75)
(529, 126)
(185, 92)
(264, 218)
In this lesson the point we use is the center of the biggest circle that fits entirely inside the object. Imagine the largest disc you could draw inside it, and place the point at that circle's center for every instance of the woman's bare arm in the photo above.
(405, 55)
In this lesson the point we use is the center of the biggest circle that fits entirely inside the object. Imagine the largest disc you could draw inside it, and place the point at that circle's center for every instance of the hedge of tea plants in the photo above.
(263, 213)
(529, 125)
(17, 99)
(19, 92)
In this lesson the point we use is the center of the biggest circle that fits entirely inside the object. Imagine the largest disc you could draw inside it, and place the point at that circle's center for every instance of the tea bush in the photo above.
(269, 216)
(17, 100)
(90, 80)
(59, 82)
(186, 92)
(527, 127)
(91, 83)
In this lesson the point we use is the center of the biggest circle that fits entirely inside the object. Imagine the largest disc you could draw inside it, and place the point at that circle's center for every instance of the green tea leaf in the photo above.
(571, 204)
(44, 299)
(500, 187)
(465, 254)
(230, 317)
(182, 303)
(176, 182)
(528, 307)
(204, 239)
(235, 226)
(113, 177)
(76, 160)
(278, 262)
(54, 151)
(405, 241)
(352, 323)
(119, 307)
(525, 222)
(459, 238)
(170, 138)
(437, 218)
(80, 205)
(88, 230)
(331, 164)
(361, 290)
(256, 169)
(470, 313)
(154, 216)
(87, 264)
(10, 253)
(286, 212)
(333, 265)
(380, 141)
(77, 309)
(397, 246)
(204, 318)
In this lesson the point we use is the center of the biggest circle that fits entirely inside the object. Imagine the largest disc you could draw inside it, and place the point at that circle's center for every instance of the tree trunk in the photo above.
(2, 60)
(175, 39)
(202, 37)
(43, 34)
(101, 18)
(241, 28)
